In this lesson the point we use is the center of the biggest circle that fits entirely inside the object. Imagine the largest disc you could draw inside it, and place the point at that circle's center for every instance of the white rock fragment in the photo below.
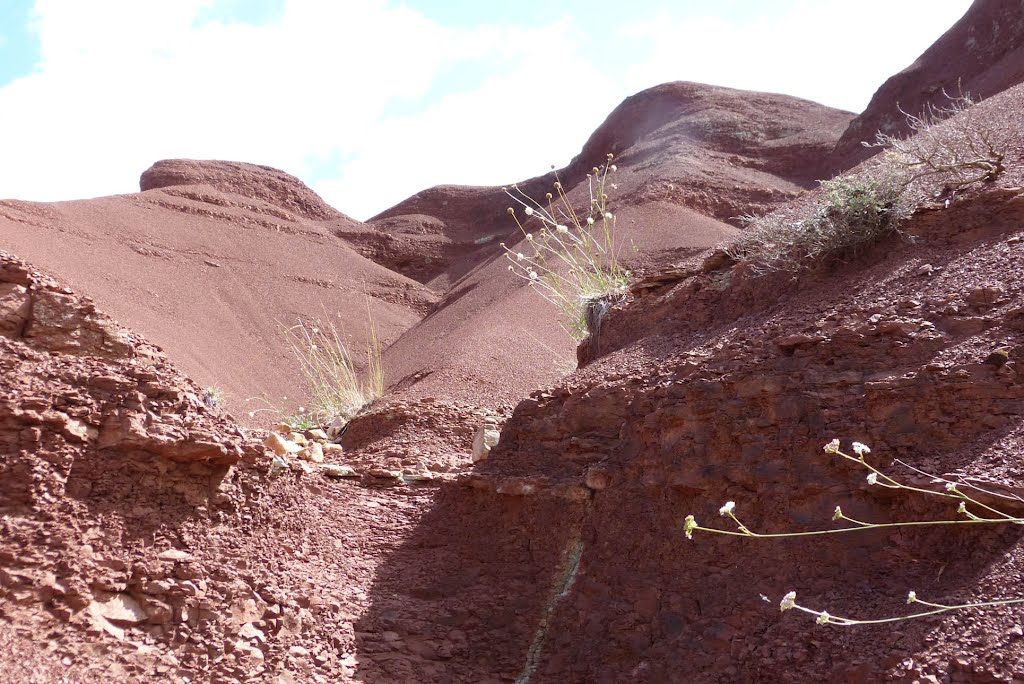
(278, 466)
(174, 555)
(335, 470)
(486, 438)
(119, 608)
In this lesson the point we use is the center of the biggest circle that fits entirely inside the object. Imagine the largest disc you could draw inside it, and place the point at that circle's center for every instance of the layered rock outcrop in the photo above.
(261, 183)
(715, 386)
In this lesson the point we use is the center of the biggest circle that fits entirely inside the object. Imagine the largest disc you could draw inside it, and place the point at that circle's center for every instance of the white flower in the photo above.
(823, 618)
(590, 220)
(788, 602)
(838, 514)
(613, 167)
(562, 229)
(727, 509)
(520, 256)
(533, 275)
(529, 211)
(962, 508)
(252, 414)
(950, 486)
(689, 526)
(832, 447)
(911, 597)
(608, 215)
(873, 478)
(861, 449)
(529, 236)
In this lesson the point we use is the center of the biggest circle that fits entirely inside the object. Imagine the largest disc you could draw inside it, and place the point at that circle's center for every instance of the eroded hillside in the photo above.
(145, 536)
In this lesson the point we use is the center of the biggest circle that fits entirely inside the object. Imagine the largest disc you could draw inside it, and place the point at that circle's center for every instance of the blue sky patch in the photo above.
(254, 12)
(19, 45)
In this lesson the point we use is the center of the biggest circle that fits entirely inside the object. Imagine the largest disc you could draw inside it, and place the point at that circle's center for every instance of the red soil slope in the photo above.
(146, 538)
(207, 261)
(679, 146)
(690, 159)
(725, 387)
(982, 54)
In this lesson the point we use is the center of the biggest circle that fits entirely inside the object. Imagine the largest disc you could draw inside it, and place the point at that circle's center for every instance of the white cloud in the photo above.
(121, 84)
(511, 127)
(118, 88)
(836, 53)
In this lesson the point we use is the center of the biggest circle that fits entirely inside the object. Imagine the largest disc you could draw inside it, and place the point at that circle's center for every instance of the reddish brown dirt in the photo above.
(718, 151)
(725, 387)
(690, 159)
(142, 537)
(209, 263)
(982, 54)
(145, 537)
(268, 185)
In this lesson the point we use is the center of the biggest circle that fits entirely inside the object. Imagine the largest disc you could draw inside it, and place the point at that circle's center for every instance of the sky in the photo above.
(371, 101)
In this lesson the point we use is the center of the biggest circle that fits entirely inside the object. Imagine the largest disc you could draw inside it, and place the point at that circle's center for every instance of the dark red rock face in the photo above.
(982, 54)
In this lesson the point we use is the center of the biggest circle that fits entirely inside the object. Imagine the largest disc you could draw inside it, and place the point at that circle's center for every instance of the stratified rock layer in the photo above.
(260, 183)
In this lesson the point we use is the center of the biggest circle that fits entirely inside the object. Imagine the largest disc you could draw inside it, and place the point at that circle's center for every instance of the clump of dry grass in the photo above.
(852, 213)
(337, 387)
(950, 147)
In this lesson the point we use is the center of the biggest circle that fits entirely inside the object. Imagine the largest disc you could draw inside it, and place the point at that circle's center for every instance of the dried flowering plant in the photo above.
(951, 490)
(338, 389)
(950, 147)
(571, 258)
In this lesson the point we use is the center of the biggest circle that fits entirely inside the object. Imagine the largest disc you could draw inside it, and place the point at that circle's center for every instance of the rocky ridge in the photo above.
(262, 184)
(146, 537)
(914, 349)
(981, 55)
